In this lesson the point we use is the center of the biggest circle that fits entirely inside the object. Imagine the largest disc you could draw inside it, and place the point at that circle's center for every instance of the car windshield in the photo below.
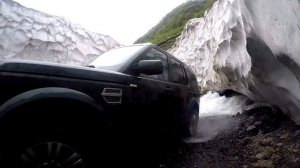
(115, 59)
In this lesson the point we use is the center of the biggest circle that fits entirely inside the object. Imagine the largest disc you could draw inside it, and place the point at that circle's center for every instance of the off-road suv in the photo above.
(54, 115)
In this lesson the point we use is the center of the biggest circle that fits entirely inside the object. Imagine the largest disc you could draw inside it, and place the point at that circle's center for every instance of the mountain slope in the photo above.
(165, 32)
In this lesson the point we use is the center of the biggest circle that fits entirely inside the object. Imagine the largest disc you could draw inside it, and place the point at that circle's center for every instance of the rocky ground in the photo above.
(264, 138)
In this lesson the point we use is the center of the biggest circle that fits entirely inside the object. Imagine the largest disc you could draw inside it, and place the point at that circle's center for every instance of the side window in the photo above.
(176, 72)
(154, 54)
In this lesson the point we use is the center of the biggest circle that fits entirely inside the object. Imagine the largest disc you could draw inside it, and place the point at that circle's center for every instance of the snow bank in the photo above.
(250, 46)
(33, 35)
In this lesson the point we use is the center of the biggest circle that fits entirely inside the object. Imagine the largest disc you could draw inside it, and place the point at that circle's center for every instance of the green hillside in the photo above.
(171, 26)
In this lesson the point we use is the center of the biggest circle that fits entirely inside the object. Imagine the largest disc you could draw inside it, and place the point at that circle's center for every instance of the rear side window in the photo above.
(191, 77)
(176, 72)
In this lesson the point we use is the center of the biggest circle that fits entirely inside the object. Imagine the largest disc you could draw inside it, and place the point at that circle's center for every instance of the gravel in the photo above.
(273, 144)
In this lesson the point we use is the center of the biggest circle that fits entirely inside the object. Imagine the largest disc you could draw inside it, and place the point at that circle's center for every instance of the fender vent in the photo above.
(112, 95)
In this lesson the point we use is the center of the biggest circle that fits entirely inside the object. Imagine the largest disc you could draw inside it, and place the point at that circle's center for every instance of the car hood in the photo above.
(60, 70)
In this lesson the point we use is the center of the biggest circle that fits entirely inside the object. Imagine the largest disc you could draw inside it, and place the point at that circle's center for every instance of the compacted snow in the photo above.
(250, 46)
(33, 35)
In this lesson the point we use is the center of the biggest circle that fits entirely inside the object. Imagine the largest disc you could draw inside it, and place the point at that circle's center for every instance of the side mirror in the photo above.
(150, 67)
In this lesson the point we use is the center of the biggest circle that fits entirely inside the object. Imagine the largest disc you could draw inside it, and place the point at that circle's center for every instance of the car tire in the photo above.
(41, 141)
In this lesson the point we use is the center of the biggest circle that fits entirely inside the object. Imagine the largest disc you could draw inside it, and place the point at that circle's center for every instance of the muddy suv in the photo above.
(54, 115)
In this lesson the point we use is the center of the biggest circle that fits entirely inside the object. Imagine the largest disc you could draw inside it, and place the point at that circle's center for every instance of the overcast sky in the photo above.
(124, 20)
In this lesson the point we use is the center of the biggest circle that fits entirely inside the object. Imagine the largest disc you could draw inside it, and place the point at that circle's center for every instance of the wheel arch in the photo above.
(32, 96)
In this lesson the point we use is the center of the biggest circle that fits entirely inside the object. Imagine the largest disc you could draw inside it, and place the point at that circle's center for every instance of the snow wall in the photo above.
(249, 46)
(32, 35)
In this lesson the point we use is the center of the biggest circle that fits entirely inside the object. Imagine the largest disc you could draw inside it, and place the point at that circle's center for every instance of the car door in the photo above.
(179, 96)
(152, 94)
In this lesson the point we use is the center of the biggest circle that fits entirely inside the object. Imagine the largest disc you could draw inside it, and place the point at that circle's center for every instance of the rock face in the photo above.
(33, 35)
(249, 46)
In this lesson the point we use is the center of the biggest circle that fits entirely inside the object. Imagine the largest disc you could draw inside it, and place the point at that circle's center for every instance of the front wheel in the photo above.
(53, 137)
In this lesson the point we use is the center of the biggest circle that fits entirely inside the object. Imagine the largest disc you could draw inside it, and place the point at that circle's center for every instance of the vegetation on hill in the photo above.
(165, 32)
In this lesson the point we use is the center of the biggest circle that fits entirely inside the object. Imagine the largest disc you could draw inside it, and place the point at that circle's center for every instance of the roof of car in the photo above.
(150, 44)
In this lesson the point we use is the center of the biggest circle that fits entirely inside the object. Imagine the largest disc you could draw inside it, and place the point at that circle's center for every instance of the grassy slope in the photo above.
(171, 26)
